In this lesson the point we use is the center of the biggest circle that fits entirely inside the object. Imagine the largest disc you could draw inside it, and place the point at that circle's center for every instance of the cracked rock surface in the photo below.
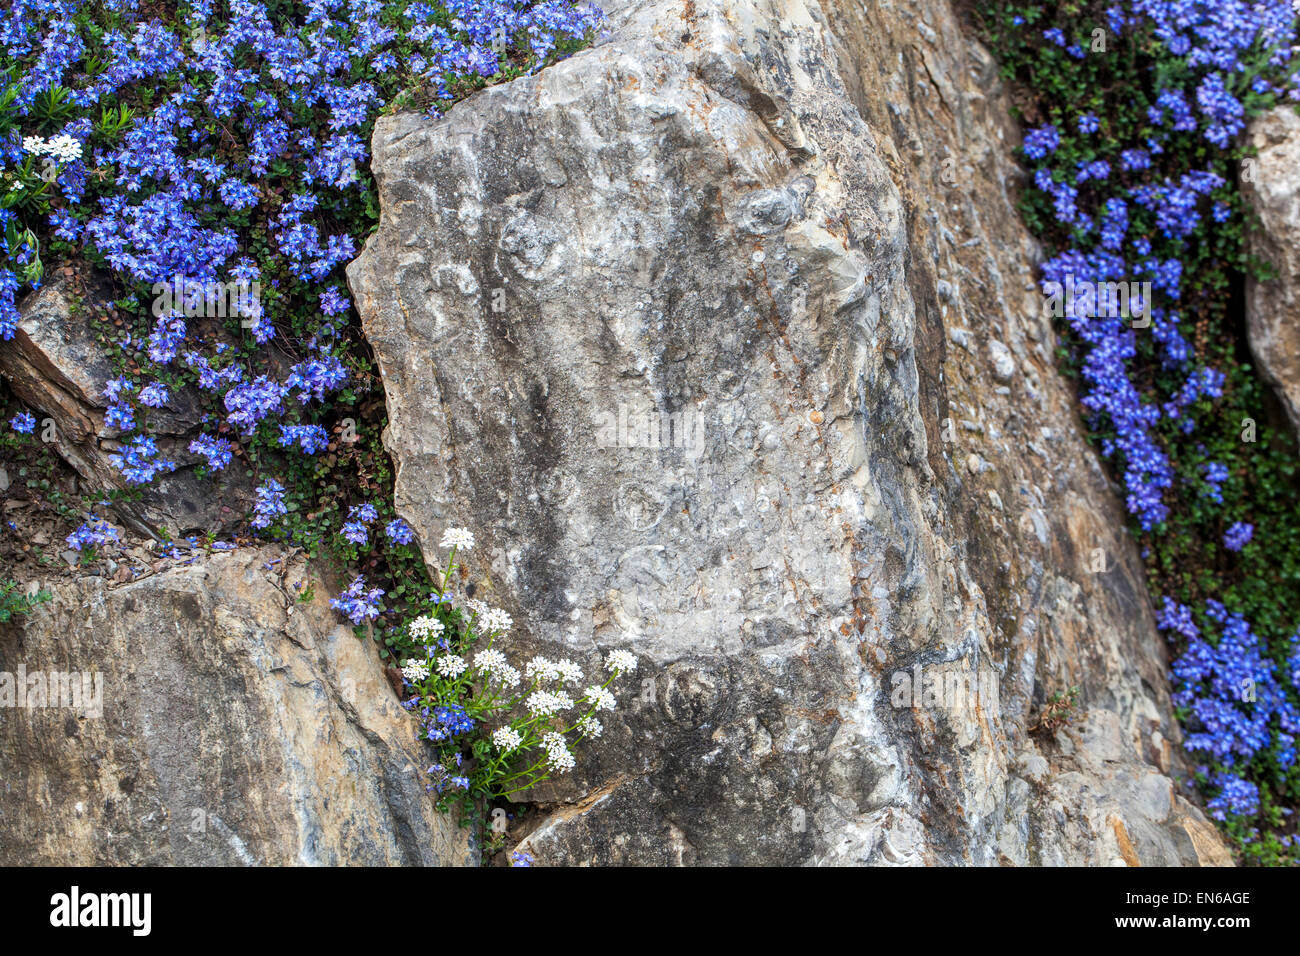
(235, 725)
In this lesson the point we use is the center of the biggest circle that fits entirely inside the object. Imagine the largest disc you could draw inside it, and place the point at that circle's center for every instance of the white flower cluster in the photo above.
(542, 669)
(462, 539)
(494, 664)
(415, 671)
(600, 698)
(567, 672)
(542, 703)
(550, 690)
(563, 671)
(450, 665)
(558, 757)
(62, 149)
(426, 629)
(623, 661)
(507, 738)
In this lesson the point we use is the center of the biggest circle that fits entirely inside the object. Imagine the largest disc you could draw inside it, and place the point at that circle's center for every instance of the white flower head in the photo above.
(506, 738)
(494, 664)
(542, 669)
(541, 703)
(414, 670)
(462, 539)
(600, 698)
(450, 665)
(426, 629)
(489, 660)
(589, 726)
(64, 148)
(623, 661)
(558, 756)
(496, 620)
(567, 672)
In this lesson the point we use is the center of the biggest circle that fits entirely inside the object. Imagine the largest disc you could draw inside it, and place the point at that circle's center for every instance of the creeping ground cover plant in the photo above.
(210, 157)
(1134, 113)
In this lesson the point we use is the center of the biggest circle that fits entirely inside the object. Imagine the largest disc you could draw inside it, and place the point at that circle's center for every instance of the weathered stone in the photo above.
(754, 225)
(238, 726)
(55, 365)
(1271, 183)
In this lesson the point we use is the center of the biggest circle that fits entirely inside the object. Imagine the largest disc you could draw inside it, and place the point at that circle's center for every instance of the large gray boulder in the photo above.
(1271, 182)
(232, 724)
(723, 337)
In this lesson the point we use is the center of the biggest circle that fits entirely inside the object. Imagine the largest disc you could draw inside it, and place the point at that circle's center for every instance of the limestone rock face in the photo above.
(234, 725)
(56, 366)
(1273, 307)
(724, 339)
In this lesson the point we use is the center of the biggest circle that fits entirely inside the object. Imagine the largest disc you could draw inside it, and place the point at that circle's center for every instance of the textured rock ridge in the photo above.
(236, 726)
(1273, 307)
(723, 337)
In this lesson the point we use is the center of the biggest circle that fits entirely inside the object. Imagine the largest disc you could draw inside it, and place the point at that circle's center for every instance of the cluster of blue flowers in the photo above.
(269, 504)
(359, 516)
(441, 723)
(358, 604)
(310, 438)
(93, 533)
(139, 462)
(1238, 698)
(1222, 39)
(399, 532)
(247, 141)
(446, 721)
(1238, 535)
(1133, 203)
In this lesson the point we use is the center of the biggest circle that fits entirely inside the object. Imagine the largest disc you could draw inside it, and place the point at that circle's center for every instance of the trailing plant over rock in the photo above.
(1134, 113)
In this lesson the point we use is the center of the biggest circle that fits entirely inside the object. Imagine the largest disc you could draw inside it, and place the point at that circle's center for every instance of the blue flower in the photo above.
(154, 395)
(357, 603)
(94, 532)
(310, 438)
(1238, 536)
(216, 451)
(1041, 141)
(269, 503)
